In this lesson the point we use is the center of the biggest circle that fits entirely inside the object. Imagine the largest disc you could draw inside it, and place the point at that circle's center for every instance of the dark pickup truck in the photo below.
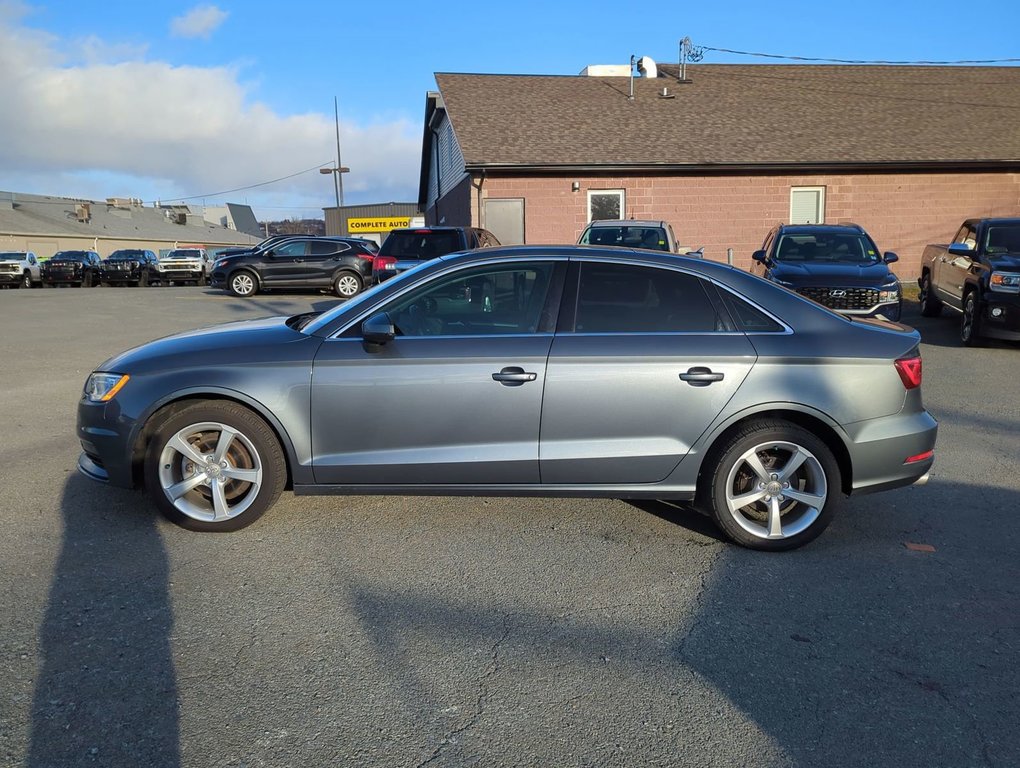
(977, 275)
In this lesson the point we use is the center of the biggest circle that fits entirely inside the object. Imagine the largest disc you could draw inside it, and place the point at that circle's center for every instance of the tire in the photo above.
(757, 457)
(201, 280)
(204, 482)
(929, 304)
(243, 283)
(143, 280)
(970, 321)
(26, 280)
(86, 280)
(347, 285)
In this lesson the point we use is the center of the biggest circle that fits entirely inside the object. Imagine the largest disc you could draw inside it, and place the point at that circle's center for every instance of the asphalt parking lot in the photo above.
(493, 632)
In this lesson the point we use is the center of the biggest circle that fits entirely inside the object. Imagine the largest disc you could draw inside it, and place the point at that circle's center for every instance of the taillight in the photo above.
(909, 369)
(384, 263)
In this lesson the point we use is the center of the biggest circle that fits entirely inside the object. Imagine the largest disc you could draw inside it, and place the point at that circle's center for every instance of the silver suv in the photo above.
(631, 233)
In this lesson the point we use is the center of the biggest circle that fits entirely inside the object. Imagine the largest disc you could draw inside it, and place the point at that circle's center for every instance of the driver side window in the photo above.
(483, 301)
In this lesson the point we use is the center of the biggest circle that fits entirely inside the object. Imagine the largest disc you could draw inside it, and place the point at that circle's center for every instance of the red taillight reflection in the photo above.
(909, 369)
(919, 457)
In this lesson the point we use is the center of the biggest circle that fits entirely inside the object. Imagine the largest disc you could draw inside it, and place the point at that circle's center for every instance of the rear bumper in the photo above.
(880, 448)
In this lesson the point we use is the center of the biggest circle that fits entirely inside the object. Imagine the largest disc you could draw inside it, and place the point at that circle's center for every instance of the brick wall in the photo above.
(903, 212)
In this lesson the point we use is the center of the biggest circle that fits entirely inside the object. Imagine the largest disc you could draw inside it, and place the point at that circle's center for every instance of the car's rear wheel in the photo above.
(772, 486)
(214, 466)
(243, 283)
(929, 304)
(970, 322)
(346, 285)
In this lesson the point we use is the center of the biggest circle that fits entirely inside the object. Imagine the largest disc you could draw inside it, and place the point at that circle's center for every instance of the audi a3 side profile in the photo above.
(526, 371)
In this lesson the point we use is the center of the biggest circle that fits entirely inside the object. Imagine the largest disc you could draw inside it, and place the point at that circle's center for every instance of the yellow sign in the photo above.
(377, 225)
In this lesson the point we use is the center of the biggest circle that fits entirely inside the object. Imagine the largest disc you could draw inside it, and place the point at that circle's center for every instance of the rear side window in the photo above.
(623, 298)
(649, 238)
(327, 247)
(747, 317)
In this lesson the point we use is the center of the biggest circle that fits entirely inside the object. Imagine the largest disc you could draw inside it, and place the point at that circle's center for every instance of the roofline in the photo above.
(754, 168)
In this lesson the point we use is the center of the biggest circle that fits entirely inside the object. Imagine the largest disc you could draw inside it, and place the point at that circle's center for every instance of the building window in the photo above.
(605, 204)
(807, 205)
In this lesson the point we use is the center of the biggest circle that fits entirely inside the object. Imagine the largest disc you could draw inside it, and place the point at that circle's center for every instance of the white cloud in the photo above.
(164, 131)
(201, 21)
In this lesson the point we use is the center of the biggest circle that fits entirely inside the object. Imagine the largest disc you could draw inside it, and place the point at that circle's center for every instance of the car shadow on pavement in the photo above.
(106, 691)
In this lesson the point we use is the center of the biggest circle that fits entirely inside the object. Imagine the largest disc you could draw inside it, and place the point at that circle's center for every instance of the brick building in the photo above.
(907, 152)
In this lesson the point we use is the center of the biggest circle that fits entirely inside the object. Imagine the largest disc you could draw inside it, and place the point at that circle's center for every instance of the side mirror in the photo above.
(760, 257)
(960, 249)
(889, 257)
(378, 329)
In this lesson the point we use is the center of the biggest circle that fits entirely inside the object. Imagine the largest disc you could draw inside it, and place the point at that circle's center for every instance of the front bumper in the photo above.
(113, 275)
(105, 441)
(1000, 316)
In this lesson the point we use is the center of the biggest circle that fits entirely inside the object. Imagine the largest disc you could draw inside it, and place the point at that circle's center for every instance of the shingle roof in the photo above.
(44, 215)
(737, 115)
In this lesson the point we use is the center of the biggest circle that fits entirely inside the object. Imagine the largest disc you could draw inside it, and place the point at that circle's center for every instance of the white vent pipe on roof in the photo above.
(647, 67)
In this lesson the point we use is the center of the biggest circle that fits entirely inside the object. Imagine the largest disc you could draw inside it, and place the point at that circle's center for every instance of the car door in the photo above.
(320, 261)
(285, 264)
(636, 373)
(951, 270)
(455, 397)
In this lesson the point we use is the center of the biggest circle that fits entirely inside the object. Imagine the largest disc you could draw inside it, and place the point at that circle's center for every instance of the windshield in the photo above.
(125, 255)
(12, 255)
(70, 256)
(183, 255)
(1003, 238)
(826, 246)
(649, 238)
(420, 244)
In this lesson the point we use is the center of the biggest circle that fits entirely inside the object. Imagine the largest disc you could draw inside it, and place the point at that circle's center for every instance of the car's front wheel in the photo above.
(26, 280)
(214, 466)
(347, 285)
(243, 283)
(772, 486)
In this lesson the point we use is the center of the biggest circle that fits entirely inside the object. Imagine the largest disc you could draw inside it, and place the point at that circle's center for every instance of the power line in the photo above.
(855, 61)
(250, 186)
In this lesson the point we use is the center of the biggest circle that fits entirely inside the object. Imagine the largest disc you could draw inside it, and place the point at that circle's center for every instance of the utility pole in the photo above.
(339, 164)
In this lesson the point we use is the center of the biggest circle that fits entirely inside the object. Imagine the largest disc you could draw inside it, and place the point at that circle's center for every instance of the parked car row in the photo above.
(85, 268)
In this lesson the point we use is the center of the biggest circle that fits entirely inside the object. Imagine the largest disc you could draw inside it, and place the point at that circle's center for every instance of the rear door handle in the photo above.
(513, 376)
(700, 376)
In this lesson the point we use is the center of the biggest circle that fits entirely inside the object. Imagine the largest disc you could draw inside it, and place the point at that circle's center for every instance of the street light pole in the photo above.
(339, 164)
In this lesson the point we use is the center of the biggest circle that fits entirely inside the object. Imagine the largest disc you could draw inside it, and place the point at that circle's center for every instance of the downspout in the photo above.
(481, 210)
(439, 172)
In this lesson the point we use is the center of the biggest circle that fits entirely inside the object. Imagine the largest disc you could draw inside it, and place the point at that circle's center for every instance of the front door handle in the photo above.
(513, 376)
(700, 376)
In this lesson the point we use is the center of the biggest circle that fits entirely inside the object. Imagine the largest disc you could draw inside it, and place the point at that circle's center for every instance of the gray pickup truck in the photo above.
(19, 269)
(977, 275)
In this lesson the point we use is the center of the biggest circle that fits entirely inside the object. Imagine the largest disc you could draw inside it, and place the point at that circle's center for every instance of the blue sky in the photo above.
(166, 100)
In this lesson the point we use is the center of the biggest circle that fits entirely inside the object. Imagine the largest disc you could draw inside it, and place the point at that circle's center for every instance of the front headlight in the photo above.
(1005, 282)
(101, 387)
(159, 267)
(888, 294)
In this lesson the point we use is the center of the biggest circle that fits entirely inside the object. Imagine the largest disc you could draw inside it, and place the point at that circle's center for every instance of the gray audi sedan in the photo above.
(526, 371)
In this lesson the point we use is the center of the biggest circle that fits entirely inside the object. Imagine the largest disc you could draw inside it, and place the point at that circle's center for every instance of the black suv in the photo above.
(343, 265)
(79, 268)
(129, 266)
(837, 265)
(406, 248)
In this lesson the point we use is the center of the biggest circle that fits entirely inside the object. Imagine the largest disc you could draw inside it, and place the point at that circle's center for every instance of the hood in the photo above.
(1008, 262)
(827, 273)
(231, 343)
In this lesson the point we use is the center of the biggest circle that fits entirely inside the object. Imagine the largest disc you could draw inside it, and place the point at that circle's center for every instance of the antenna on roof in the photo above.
(689, 52)
(631, 94)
